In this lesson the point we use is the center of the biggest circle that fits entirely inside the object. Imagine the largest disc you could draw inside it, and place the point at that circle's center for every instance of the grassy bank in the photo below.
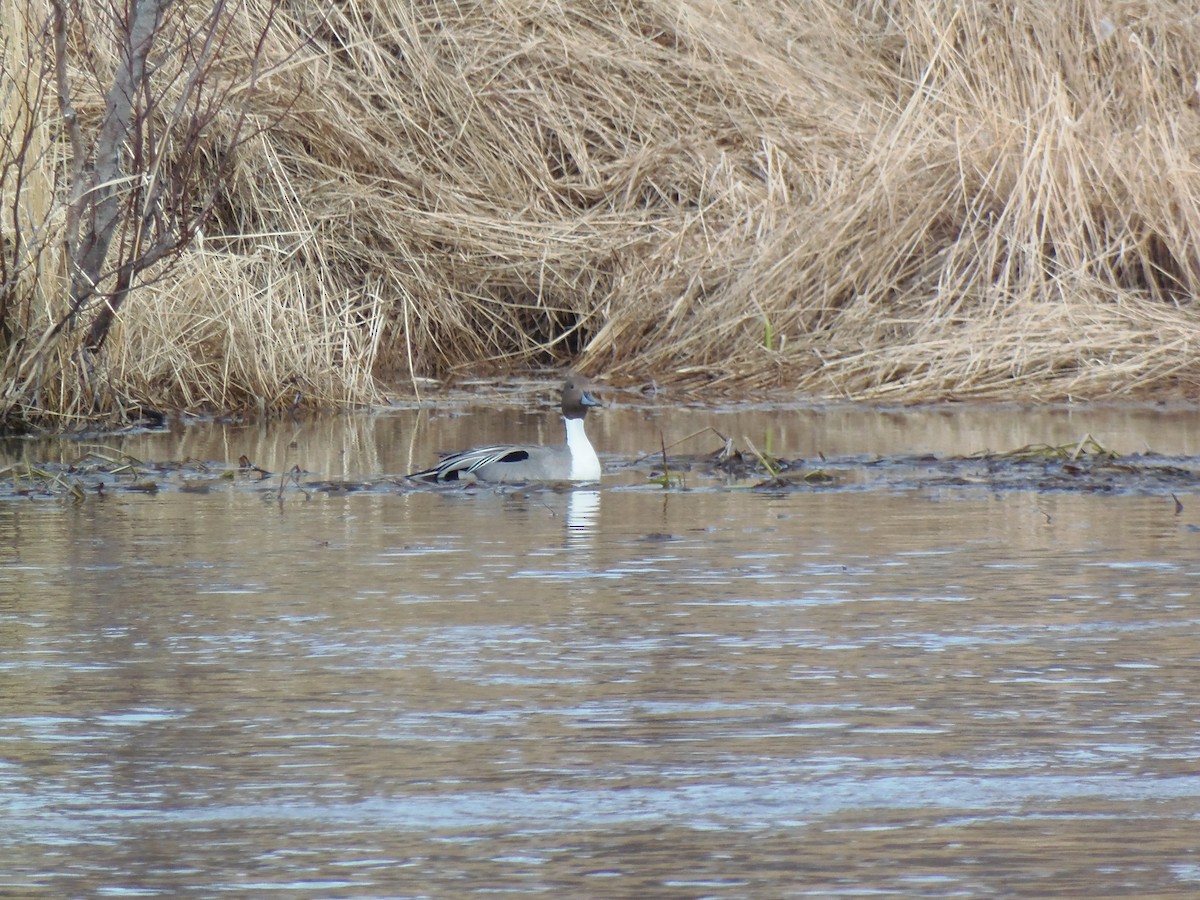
(902, 200)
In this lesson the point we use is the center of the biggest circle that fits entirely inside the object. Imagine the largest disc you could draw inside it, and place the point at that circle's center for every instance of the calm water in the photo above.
(622, 692)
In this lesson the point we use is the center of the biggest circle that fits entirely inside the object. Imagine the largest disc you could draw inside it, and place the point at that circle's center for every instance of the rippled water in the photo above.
(622, 692)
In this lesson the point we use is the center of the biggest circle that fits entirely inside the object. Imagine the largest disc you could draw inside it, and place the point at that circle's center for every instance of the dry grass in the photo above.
(901, 200)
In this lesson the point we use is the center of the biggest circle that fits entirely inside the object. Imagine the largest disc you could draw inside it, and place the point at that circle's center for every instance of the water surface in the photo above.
(620, 691)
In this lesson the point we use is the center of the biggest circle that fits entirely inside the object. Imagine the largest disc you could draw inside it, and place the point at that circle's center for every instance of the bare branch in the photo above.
(103, 205)
(71, 124)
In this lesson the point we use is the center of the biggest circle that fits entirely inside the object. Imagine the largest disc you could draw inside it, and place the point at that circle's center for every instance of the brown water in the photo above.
(622, 692)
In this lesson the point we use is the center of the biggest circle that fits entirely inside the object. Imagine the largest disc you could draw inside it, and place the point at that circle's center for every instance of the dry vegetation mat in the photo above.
(898, 200)
(1084, 466)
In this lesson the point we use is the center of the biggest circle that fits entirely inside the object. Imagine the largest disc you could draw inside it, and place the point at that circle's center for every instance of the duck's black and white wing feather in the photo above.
(466, 462)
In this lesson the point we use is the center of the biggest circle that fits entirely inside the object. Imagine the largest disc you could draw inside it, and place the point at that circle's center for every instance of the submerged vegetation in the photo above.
(901, 200)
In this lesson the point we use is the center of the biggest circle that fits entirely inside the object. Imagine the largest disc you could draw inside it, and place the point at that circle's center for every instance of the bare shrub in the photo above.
(122, 125)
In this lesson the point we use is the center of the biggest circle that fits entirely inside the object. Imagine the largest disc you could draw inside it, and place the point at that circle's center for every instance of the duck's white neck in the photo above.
(585, 465)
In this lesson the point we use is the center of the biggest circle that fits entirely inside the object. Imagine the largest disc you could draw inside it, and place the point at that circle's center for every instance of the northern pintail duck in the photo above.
(576, 461)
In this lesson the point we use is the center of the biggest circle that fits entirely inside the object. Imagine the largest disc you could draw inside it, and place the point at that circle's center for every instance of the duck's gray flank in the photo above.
(574, 461)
